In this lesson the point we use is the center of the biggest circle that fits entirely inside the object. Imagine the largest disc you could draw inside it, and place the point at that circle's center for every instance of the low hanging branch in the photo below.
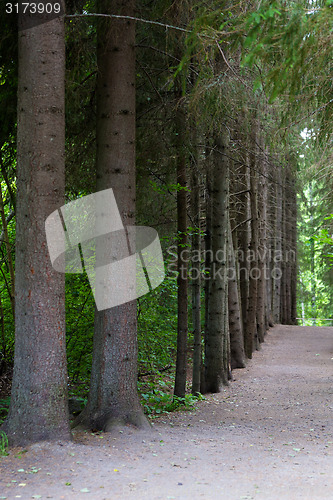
(131, 18)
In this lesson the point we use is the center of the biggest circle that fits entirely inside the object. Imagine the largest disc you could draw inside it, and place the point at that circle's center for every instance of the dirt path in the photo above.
(267, 436)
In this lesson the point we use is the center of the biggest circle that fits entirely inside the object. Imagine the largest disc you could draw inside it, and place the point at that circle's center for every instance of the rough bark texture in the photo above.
(251, 338)
(216, 344)
(293, 277)
(289, 276)
(262, 247)
(235, 322)
(182, 281)
(208, 255)
(113, 397)
(270, 246)
(284, 249)
(277, 247)
(39, 406)
(244, 237)
(196, 271)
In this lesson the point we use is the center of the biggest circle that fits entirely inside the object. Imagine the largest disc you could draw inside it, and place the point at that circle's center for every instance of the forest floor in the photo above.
(269, 435)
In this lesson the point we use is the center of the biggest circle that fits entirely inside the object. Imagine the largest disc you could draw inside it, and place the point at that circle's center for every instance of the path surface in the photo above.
(267, 436)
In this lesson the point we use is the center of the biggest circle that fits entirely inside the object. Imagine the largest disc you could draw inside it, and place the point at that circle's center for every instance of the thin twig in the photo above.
(307, 116)
(240, 192)
(241, 223)
(116, 16)
(231, 69)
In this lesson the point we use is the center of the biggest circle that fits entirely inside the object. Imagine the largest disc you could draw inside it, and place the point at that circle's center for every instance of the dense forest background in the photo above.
(221, 115)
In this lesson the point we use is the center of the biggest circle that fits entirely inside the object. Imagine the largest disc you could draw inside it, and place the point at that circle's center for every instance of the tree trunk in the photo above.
(244, 237)
(182, 281)
(39, 405)
(196, 269)
(312, 261)
(262, 247)
(208, 255)
(270, 248)
(284, 268)
(293, 229)
(251, 333)
(235, 322)
(113, 397)
(216, 354)
(277, 254)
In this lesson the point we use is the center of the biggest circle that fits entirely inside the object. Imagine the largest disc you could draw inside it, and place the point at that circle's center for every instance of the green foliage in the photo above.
(7, 327)
(81, 72)
(156, 398)
(80, 309)
(4, 406)
(8, 77)
(294, 41)
(324, 238)
(3, 444)
(157, 326)
(315, 293)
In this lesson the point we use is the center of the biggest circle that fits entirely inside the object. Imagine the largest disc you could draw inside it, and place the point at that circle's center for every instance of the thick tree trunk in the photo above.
(251, 333)
(39, 405)
(270, 247)
(182, 280)
(196, 270)
(244, 237)
(216, 343)
(277, 254)
(284, 247)
(289, 254)
(208, 256)
(293, 257)
(262, 247)
(235, 322)
(113, 397)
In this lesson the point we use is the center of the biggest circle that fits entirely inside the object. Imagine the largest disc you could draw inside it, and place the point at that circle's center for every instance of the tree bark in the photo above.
(293, 229)
(244, 237)
(113, 397)
(270, 247)
(39, 405)
(262, 246)
(277, 254)
(251, 333)
(216, 344)
(208, 255)
(196, 268)
(182, 279)
(235, 322)
(284, 247)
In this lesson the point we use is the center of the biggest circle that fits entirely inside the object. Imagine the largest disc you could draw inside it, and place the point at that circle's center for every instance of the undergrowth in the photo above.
(3, 444)
(157, 398)
(4, 407)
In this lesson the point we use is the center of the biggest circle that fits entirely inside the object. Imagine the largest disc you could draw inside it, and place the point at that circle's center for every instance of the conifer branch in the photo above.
(131, 18)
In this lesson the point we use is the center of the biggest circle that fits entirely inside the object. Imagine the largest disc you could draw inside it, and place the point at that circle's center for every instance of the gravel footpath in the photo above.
(269, 435)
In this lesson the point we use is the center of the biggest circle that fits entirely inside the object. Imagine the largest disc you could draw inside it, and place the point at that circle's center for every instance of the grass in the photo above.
(3, 444)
